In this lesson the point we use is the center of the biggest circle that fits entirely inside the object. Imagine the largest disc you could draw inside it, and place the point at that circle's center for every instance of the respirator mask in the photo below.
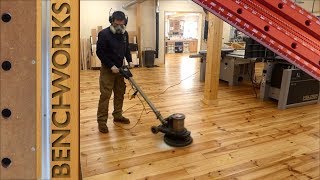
(118, 29)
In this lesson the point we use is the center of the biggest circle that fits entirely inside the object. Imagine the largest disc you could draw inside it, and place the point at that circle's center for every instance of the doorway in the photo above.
(182, 34)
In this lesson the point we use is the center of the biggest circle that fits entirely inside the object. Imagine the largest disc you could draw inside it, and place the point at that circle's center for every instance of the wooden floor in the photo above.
(240, 137)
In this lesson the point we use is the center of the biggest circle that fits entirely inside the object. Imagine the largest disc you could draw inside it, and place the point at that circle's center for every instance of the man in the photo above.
(112, 47)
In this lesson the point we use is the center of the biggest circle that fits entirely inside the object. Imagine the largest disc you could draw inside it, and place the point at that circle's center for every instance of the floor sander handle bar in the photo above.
(127, 74)
(154, 109)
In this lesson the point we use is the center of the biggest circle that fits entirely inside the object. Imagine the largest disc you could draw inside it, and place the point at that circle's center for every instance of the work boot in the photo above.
(122, 120)
(103, 128)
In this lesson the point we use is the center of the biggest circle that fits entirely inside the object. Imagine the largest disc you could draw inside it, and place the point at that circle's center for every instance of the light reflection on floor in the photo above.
(188, 72)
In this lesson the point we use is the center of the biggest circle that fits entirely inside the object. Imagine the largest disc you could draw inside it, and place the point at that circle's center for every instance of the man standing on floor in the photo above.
(112, 48)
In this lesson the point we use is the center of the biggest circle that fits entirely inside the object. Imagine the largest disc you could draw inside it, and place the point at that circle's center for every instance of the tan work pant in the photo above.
(110, 82)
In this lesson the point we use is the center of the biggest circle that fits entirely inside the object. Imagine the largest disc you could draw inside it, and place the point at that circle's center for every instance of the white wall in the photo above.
(96, 13)
(188, 17)
(226, 32)
(148, 24)
(308, 6)
(200, 29)
(172, 6)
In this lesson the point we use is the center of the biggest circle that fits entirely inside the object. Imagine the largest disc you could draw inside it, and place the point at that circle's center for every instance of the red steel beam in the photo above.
(280, 25)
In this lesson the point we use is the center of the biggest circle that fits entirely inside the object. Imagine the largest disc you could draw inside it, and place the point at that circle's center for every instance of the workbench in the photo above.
(234, 67)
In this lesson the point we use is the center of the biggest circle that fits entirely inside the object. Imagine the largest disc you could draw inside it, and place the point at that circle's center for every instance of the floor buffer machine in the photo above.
(175, 134)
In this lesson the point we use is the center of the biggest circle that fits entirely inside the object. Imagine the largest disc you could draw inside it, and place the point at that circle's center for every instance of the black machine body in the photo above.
(175, 133)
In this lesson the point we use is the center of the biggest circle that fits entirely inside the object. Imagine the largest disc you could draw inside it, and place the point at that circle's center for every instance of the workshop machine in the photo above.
(282, 26)
(289, 85)
(173, 126)
(281, 80)
(234, 67)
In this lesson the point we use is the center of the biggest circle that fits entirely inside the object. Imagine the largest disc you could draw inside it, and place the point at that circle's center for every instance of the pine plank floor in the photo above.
(239, 137)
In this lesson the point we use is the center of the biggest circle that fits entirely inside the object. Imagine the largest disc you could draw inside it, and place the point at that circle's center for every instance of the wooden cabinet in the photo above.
(170, 47)
(193, 45)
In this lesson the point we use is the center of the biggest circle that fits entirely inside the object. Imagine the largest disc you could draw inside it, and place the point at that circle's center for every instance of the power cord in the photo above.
(173, 86)
(253, 82)
(176, 84)
(139, 119)
(144, 107)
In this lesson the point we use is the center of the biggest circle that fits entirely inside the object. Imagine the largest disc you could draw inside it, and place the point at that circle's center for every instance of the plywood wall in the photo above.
(19, 119)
